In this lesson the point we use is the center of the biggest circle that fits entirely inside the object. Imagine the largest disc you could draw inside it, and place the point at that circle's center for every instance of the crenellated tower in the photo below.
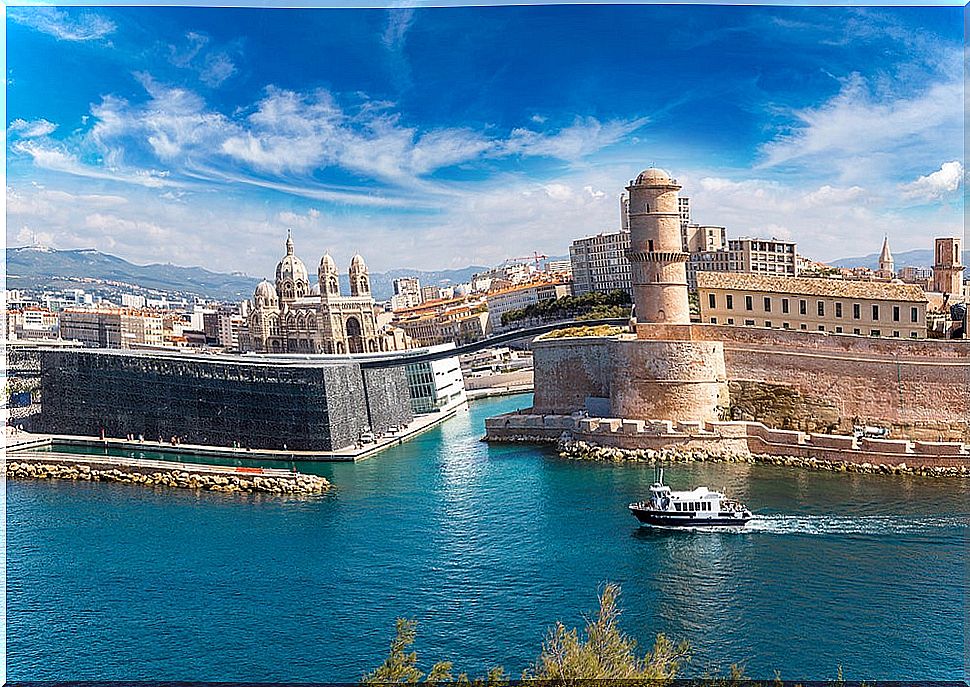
(658, 264)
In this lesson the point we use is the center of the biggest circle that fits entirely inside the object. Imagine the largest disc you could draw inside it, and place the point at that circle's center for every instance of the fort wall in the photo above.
(807, 381)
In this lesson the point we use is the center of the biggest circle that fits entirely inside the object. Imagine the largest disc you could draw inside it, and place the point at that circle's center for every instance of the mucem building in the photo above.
(220, 400)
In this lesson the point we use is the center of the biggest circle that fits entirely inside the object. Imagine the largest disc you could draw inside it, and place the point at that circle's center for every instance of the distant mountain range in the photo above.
(912, 258)
(35, 267)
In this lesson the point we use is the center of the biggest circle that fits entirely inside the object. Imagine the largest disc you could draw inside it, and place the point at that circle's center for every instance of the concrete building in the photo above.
(407, 293)
(826, 305)
(744, 255)
(457, 323)
(522, 296)
(112, 327)
(32, 323)
(436, 385)
(292, 317)
(599, 263)
(948, 267)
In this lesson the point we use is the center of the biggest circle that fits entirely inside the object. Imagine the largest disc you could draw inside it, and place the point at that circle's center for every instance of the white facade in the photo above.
(599, 263)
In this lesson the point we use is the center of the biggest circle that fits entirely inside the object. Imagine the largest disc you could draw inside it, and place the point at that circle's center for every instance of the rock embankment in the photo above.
(297, 484)
(581, 450)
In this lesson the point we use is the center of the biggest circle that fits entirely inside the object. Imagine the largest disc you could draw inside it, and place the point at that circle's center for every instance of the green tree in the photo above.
(604, 652)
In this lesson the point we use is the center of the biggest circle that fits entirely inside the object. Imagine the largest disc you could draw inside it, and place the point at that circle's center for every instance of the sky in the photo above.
(433, 138)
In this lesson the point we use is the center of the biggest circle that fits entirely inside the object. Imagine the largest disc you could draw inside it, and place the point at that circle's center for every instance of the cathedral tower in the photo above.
(887, 267)
(658, 266)
(359, 278)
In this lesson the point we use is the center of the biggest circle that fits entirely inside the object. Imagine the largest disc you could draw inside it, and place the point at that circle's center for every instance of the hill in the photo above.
(35, 267)
(912, 258)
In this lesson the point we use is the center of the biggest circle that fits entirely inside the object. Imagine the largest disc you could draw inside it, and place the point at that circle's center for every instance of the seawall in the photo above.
(729, 439)
(159, 473)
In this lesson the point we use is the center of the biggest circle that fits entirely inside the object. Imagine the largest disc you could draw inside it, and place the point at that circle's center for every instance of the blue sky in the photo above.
(441, 137)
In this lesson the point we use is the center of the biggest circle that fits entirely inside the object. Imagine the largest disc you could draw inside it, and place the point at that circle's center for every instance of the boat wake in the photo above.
(859, 525)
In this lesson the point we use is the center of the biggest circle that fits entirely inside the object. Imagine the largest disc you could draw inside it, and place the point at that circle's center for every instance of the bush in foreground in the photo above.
(568, 658)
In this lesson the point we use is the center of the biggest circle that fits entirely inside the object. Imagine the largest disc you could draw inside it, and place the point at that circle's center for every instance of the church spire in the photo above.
(289, 243)
(886, 265)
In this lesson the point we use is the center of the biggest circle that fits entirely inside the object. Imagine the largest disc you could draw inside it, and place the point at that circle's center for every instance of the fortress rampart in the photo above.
(729, 439)
(812, 382)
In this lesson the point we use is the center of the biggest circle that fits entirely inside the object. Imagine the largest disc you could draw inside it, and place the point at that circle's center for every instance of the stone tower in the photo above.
(947, 267)
(359, 277)
(887, 267)
(658, 264)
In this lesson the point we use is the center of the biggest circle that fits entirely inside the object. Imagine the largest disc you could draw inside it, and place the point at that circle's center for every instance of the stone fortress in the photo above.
(293, 317)
(670, 373)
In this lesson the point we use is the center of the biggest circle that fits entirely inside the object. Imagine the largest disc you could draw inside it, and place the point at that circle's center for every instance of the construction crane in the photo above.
(535, 256)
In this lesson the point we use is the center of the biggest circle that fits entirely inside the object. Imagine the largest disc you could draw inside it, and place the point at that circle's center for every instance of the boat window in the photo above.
(676, 506)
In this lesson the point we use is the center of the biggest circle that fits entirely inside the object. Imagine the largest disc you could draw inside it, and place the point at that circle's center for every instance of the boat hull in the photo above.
(654, 519)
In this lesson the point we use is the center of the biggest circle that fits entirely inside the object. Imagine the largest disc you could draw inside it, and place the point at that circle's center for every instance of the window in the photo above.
(749, 323)
(804, 326)
(821, 327)
(821, 308)
(676, 506)
(856, 311)
(767, 304)
(730, 302)
(786, 325)
(784, 305)
(748, 303)
(768, 324)
(711, 301)
(730, 320)
(838, 310)
(713, 320)
(838, 330)
(913, 335)
(856, 331)
(650, 245)
(895, 313)
(914, 314)
(802, 307)
(875, 332)
(875, 313)
(896, 334)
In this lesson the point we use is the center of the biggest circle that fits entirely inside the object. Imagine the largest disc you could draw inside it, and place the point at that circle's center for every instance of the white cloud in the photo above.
(73, 26)
(398, 22)
(35, 128)
(936, 185)
(584, 136)
(213, 66)
(864, 133)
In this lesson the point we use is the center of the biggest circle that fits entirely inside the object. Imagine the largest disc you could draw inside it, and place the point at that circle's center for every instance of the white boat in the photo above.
(699, 507)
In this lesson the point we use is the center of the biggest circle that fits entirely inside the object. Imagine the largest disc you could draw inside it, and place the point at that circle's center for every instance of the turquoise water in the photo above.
(485, 546)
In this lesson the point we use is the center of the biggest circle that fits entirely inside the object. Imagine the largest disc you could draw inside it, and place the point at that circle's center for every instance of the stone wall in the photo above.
(729, 439)
(663, 379)
(568, 371)
(314, 407)
(918, 388)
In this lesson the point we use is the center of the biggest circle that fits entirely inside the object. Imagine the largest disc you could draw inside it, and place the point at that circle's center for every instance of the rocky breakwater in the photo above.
(245, 482)
(582, 450)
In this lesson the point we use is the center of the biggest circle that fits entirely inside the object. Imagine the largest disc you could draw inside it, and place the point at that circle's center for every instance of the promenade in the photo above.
(16, 441)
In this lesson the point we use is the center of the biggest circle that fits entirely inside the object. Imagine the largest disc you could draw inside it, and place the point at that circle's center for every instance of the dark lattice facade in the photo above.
(219, 402)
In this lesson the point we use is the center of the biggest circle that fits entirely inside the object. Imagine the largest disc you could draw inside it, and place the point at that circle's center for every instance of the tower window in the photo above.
(650, 245)
(914, 314)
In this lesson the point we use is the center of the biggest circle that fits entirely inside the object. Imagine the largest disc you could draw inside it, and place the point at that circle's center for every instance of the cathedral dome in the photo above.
(292, 268)
(327, 264)
(357, 263)
(654, 175)
(265, 290)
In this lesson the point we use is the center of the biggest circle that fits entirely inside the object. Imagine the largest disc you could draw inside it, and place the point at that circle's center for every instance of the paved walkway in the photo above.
(19, 441)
